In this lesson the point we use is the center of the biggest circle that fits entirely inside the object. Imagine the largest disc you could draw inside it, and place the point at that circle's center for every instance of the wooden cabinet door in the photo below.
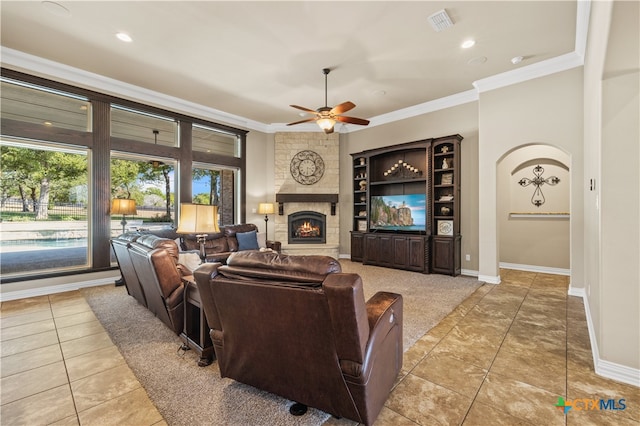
(357, 246)
(385, 250)
(400, 252)
(443, 258)
(370, 253)
(415, 256)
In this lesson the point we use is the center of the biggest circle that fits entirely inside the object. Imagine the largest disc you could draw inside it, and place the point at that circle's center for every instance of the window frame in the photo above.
(100, 144)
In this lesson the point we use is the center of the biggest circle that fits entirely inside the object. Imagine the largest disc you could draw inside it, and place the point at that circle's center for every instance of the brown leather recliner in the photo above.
(121, 249)
(155, 261)
(299, 328)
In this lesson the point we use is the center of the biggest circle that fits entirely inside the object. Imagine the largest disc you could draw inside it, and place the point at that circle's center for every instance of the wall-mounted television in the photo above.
(398, 212)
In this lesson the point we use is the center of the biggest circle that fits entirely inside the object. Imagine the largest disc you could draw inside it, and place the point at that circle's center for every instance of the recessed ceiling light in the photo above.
(48, 123)
(516, 60)
(124, 37)
(468, 43)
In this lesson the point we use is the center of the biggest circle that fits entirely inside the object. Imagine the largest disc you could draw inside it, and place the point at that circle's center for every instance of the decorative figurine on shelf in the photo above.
(444, 210)
(444, 149)
(445, 165)
(363, 185)
(362, 161)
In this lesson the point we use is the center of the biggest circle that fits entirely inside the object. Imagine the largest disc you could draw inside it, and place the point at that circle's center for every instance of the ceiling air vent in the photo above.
(440, 21)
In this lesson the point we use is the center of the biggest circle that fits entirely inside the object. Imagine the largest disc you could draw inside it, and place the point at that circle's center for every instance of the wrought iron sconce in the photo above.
(538, 197)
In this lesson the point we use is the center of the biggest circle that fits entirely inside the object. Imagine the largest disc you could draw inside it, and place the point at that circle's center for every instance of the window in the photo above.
(32, 104)
(216, 186)
(216, 141)
(150, 182)
(44, 207)
(68, 130)
(140, 126)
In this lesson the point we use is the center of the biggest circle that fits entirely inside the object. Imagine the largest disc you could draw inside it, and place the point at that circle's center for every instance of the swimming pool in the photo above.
(41, 244)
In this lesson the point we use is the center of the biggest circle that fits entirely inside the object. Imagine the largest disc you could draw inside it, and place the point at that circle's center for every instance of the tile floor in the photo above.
(503, 357)
(60, 367)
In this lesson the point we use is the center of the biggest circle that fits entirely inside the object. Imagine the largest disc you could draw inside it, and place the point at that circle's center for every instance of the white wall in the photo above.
(546, 110)
(260, 177)
(530, 241)
(613, 208)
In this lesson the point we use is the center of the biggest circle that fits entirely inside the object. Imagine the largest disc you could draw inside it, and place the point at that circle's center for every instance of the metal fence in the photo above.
(12, 209)
(16, 210)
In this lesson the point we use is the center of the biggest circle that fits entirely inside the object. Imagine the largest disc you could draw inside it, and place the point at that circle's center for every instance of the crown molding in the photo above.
(426, 107)
(530, 72)
(45, 68)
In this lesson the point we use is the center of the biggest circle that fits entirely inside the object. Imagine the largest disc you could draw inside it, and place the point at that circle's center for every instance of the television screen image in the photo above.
(398, 212)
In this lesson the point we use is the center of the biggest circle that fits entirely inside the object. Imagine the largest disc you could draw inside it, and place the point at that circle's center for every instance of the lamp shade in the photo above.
(198, 219)
(265, 208)
(123, 206)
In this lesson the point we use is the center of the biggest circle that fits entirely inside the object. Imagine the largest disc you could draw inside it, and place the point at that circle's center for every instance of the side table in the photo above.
(196, 331)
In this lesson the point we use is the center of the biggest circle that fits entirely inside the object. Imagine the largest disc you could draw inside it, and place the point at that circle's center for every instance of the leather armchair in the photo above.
(299, 328)
(155, 261)
(121, 249)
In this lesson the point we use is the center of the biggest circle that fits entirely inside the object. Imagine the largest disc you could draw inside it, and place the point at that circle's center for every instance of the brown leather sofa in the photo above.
(150, 269)
(155, 263)
(297, 327)
(220, 245)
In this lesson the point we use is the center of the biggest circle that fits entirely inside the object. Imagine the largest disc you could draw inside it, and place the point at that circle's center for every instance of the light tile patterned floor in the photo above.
(60, 367)
(503, 357)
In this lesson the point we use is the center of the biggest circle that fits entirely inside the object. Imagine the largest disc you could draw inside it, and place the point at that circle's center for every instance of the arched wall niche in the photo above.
(534, 221)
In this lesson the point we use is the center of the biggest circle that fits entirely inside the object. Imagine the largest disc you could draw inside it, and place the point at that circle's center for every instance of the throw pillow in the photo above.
(190, 260)
(247, 240)
(262, 239)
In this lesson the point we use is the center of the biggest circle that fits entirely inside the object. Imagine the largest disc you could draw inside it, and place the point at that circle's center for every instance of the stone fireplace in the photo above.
(307, 227)
(316, 201)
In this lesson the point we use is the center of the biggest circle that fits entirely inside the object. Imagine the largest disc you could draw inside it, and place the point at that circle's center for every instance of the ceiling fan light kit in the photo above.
(326, 117)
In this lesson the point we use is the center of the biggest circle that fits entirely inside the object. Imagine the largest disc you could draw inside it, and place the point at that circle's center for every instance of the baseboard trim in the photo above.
(469, 272)
(61, 288)
(608, 369)
(535, 268)
(490, 279)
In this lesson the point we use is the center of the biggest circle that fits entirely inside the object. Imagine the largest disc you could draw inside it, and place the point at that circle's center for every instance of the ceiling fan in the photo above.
(325, 116)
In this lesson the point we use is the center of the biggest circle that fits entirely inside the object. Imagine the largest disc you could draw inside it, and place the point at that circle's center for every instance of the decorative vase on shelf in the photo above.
(363, 185)
(362, 161)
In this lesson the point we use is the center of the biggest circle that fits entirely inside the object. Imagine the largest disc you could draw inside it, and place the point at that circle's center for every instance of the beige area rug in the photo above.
(186, 394)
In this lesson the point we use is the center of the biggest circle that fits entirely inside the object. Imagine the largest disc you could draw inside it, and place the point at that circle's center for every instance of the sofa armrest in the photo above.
(384, 312)
(203, 276)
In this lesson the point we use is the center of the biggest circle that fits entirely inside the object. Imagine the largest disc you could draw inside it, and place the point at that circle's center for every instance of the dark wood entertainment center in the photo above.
(387, 229)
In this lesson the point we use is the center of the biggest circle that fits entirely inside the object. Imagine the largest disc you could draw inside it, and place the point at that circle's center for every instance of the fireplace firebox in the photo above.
(307, 227)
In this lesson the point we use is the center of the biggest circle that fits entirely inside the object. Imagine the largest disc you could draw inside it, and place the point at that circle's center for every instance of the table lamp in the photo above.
(123, 206)
(199, 219)
(266, 209)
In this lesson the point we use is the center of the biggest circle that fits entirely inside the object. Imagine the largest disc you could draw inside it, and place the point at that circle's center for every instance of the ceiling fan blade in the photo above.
(304, 109)
(343, 107)
(302, 121)
(352, 120)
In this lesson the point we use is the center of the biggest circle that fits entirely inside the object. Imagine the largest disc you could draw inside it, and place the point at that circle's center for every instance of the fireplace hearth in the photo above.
(307, 227)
